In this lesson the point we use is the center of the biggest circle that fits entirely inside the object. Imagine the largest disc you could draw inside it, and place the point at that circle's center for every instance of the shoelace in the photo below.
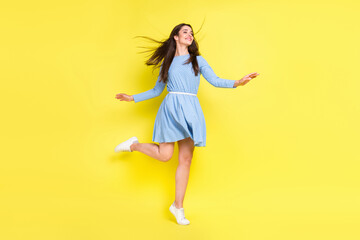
(181, 214)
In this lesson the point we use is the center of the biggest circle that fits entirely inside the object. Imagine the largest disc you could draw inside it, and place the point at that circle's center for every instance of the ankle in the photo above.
(133, 147)
(178, 205)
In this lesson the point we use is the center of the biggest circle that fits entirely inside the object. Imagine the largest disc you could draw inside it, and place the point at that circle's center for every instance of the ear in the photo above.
(176, 37)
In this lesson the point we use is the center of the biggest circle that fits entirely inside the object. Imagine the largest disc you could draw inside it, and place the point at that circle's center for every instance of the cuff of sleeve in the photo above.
(232, 83)
(136, 98)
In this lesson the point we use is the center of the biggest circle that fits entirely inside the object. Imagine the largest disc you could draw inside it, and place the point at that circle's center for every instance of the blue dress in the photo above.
(179, 115)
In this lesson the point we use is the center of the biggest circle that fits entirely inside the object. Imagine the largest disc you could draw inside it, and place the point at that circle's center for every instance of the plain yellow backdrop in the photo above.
(282, 154)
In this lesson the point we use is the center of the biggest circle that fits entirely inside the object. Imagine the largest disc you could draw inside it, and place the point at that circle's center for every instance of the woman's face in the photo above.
(185, 36)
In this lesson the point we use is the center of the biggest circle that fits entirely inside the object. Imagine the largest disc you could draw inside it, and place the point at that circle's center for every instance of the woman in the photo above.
(179, 118)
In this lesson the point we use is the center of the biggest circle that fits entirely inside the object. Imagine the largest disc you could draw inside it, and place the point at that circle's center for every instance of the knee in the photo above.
(185, 159)
(166, 157)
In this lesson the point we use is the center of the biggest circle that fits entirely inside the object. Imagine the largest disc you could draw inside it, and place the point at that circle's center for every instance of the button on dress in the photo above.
(180, 115)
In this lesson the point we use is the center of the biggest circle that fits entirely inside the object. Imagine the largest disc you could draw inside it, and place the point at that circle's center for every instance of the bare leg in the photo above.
(162, 152)
(186, 149)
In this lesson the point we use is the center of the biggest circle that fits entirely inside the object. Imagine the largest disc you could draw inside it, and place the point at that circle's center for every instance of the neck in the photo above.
(181, 51)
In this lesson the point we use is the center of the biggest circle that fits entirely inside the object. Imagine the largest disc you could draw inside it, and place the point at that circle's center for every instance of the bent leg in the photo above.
(162, 152)
(186, 150)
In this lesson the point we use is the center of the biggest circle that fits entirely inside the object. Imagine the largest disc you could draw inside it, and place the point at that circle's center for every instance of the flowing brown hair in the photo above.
(166, 52)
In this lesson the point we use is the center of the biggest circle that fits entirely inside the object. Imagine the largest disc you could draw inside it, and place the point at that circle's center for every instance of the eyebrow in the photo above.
(186, 30)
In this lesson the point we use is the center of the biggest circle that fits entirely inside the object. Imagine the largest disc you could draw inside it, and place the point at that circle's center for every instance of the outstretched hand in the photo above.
(124, 97)
(246, 79)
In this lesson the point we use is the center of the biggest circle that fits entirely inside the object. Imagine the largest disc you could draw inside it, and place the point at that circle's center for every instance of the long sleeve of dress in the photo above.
(156, 91)
(211, 77)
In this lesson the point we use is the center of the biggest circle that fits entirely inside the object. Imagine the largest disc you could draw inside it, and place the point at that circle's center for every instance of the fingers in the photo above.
(121, 96)
(254, 74)
(250, 76)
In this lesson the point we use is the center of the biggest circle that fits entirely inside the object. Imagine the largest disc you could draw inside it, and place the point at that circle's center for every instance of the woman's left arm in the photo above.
(214, 80)
(211, 77)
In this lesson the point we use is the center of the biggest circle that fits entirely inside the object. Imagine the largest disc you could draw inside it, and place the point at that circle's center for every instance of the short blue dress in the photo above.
(180, 115)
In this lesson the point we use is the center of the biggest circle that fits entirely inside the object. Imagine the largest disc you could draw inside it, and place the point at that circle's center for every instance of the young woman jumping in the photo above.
(180, 117)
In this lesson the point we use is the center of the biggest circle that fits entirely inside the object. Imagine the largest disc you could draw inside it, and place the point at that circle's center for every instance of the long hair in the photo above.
(165, 52)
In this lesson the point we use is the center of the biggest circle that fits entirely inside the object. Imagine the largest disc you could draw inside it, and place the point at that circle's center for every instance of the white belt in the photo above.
(184, 93)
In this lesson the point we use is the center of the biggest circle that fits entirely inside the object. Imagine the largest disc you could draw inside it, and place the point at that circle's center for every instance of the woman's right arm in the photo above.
(156, 91)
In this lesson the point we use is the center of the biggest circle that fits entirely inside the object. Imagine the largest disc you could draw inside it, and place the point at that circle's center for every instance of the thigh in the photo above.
(166, 148)
(186, 149)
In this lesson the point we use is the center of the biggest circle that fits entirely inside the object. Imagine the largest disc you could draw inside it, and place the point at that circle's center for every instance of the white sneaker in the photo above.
(179, 214)
(125, 146)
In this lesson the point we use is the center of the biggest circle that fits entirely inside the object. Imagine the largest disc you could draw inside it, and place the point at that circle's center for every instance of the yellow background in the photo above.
(282, 154)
